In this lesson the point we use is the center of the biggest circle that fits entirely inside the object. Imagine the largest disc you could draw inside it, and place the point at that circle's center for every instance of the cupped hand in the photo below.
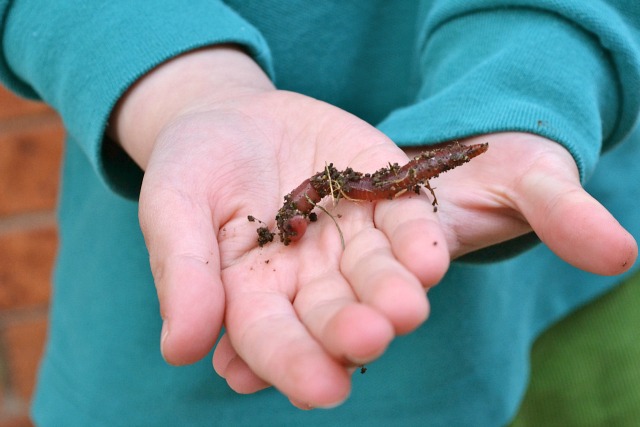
(298, 317)
(219, 143)
(525, 183)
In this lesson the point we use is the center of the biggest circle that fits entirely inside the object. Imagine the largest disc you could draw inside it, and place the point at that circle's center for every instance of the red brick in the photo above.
(30, 159)
(18, 421)
(13, 106)
(26, 263)
(3, 376)
(24, 343)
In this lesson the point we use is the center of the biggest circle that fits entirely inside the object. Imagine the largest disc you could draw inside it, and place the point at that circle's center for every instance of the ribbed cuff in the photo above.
(80, 57)
(534, 72)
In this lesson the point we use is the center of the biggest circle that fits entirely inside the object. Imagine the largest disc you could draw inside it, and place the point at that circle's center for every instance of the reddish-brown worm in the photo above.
(386, 183)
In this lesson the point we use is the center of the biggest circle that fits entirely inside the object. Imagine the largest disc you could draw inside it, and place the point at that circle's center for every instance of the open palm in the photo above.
(299, 316)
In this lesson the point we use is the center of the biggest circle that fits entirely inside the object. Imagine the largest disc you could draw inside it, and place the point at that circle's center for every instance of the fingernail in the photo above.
(331, 405)
(335, 404)
(163, 337)
(300, 405)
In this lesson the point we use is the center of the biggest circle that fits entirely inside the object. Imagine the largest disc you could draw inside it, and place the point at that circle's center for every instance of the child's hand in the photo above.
(298, 317)
(523, 183)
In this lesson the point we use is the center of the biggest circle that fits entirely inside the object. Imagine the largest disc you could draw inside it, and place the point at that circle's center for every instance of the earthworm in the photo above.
(386, 183)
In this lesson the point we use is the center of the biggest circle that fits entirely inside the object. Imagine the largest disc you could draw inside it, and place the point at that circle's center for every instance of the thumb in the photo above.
(573, 224)
(185, 264)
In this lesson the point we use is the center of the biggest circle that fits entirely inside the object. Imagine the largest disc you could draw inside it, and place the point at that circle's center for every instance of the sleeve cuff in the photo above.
(481, 77)
(533, 72)
(82, 57)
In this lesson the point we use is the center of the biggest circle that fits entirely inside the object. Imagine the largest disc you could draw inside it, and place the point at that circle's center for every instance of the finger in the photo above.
(574, 225)
(230, 366)
(185, 265)
(222, 355)
(290, 358)
(351, 332)
(381, 281)
(416, 237)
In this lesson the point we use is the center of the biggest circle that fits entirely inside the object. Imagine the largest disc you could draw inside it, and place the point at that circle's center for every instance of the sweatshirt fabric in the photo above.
(423, 72)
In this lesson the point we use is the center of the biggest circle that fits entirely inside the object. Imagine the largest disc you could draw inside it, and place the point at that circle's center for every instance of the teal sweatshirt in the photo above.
(422, 72)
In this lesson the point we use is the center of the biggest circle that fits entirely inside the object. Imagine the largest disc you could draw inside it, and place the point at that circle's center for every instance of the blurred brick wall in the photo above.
(31, 138)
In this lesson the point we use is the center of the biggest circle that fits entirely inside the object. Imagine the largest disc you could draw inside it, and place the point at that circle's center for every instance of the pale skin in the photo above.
(218, 142)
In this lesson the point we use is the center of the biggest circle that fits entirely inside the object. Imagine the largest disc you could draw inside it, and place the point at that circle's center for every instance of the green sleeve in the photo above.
(567, 70)
(81, 56)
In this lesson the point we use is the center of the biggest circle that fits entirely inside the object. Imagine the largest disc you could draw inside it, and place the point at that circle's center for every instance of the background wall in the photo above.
(31, 139)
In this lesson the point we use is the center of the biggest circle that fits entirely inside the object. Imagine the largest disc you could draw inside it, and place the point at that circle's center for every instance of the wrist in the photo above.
(195, 80)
